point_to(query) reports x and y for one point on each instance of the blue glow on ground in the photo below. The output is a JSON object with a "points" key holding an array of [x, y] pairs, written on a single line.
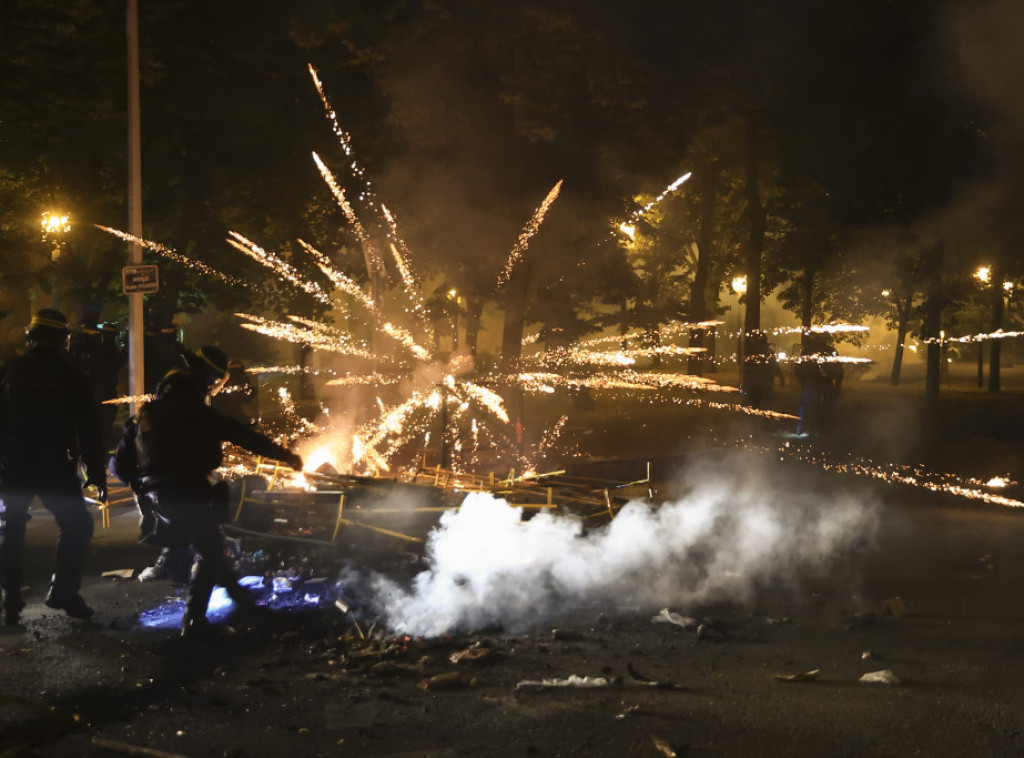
{"points": [[282, 596]]}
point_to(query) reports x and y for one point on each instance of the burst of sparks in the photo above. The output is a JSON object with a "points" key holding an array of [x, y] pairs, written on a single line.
{"points": [[488, 398], [302, 424]]}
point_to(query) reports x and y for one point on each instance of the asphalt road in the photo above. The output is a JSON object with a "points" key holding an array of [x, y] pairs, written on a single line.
{"points": [[308, 685]]}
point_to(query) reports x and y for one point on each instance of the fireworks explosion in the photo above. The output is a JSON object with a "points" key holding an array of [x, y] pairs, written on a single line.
{"points": [[424, 402], [429, 400]]}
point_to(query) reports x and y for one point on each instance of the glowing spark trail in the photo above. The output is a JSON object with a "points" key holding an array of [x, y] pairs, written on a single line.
{"points": [[825, 329], [373, 259], [350, 287], [911, 476], [281, 267], [665, 193], [999, 334], [322, 337], [128, 399], [362, 379], [175, 256], [340, 281], [528, 231], [344, 138]]}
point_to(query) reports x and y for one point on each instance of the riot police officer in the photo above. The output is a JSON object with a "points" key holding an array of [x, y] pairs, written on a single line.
{"points": [[179, 444], [48, 422]]}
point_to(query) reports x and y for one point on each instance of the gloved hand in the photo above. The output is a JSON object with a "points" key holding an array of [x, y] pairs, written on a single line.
{"points": [[101, 488], [295, 462]]}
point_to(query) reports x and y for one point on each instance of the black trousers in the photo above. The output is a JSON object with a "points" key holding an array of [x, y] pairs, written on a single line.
{"points": [[188, 512], [60, 492]]}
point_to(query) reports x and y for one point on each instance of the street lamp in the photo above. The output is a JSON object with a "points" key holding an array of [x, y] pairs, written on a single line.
{"points": [[55, 226]]}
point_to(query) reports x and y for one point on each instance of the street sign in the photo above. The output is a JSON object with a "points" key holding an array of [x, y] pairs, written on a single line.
{"points": [[142, 279]]}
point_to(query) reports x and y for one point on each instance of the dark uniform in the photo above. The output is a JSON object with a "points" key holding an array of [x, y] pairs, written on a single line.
{"points": [[238, 398], [179, 444], [163, 353], [48, 422], [100, 358]]}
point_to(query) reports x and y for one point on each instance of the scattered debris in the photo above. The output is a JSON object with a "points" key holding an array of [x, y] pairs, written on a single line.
{"points": [[670, 617], [627, 711], [885, 676], [663, 747], [118, 574], [125, 749], [649, 682], [447, 681], [473, 653], [989, 561], [867, 655], [582, 682], [807, 676], [893, 607]]}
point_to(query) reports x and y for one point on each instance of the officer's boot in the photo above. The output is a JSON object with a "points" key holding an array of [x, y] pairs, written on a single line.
{"points": [[68, 600], [13, 605]]}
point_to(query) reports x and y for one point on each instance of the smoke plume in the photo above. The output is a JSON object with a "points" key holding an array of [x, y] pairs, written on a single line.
{"points": [[721, 540]]}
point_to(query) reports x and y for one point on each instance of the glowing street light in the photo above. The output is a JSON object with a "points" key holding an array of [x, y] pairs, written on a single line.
{"points": [[983, 274], [739, 285], [55, 226]]}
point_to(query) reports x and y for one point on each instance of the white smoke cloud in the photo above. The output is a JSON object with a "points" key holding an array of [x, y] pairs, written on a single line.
{"points": [[725, 538]]}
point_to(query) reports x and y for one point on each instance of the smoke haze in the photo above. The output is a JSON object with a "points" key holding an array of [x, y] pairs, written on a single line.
{"points": [[720, 541]]}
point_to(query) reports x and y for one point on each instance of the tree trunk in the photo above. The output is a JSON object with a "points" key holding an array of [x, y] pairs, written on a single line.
{"points": [[755, 245], [902, 319], [995, 351], [515, 317], [932, 334], [474, 311], [755, 240], [699, 338], [806, 305]]}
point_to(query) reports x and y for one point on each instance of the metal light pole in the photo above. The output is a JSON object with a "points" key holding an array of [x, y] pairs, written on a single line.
{"points": [[136, 377]]}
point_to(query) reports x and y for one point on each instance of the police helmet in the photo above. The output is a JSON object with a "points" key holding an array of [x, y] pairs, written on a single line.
{"points": [[49, 326], [210, 365]]}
